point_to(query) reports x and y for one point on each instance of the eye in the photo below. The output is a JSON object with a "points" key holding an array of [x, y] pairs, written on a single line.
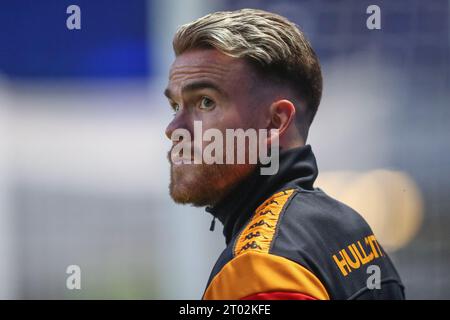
{"points": [[206, 103]]}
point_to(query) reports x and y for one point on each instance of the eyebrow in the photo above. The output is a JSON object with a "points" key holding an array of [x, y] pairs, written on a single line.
{"points": [[193, 86]]}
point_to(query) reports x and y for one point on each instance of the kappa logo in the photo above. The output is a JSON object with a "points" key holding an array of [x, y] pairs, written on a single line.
{"points": [[259, 224], [252, 235], [262, 226], [251, 245], [263, 213]]}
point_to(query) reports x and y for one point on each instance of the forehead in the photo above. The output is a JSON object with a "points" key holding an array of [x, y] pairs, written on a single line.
{"points": [[207, 63]]}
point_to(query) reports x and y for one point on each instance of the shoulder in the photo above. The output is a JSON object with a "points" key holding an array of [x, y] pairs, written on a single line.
{"points": [[335, 243], [306, 243], [313, 216], [296, 219], [253, 272]]}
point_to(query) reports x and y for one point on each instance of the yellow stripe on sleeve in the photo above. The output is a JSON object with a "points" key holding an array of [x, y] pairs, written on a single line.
{"points": [[256, 272], [259, 232]]}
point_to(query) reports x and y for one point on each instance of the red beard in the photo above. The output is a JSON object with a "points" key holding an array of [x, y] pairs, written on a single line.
{"points": [[203, 184]]}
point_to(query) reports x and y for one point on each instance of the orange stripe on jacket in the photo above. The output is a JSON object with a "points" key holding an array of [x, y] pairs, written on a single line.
{"points": [[255, 272], [279, 296], [259, 232]]}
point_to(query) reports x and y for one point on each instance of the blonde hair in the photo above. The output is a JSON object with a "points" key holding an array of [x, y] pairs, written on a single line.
{"points": [[273, 44]]}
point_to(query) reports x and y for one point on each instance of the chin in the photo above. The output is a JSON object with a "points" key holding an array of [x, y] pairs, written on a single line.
{"points": [[203, 185], [193, 184]]}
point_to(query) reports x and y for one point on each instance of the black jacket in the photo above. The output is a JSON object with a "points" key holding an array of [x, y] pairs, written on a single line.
{"points": [[288, 240]]}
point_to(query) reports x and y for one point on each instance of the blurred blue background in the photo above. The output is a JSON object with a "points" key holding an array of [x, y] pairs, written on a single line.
{"points": [[83, 169]]}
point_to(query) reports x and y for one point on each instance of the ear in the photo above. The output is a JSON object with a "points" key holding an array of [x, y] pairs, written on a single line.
{"points": [[282, 114]]}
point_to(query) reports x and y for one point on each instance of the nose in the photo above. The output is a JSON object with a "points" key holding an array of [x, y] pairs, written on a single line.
{"points": [[178, 122]]}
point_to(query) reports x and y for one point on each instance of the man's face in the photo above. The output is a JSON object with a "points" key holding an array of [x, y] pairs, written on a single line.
{"points": [[208, 86]]}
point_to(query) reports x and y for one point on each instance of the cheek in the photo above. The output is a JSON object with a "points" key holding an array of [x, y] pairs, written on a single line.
{"points": [[216, 119], [231, 118], [243, 115]]}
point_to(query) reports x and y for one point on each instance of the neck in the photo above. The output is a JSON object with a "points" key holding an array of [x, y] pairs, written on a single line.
{"points": [[298, 169]]}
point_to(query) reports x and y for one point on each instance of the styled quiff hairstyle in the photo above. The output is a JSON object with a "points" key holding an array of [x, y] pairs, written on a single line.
{"points": [[271, 43]]}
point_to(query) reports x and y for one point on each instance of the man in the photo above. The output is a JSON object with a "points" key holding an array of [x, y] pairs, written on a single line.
{"points": [[251, 69]]}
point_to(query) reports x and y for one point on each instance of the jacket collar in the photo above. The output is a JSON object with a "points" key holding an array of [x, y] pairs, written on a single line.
{"points": [[297, 169]]}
